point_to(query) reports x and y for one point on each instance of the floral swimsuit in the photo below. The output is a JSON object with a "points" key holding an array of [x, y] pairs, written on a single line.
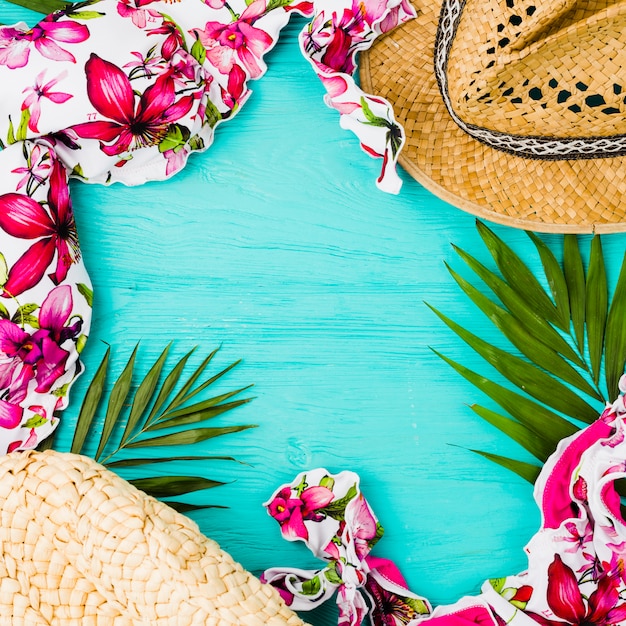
{"points": [[576, 572], [123, 91]]}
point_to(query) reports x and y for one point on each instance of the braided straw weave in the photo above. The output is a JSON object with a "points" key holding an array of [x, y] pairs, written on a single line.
{"points": [[535, 132], [82, 546]]}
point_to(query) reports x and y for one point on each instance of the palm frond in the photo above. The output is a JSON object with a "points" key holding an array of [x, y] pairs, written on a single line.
{"points": [[571, 340], [41, 6], [135, 410]]}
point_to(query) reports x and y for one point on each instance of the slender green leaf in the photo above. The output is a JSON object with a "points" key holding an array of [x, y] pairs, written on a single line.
{"points": [[181, 396], [205, 404], [117, 398], [186, 437], [165, 459], [86, 292], [539, 446], [556, 280], [186, 507], [596, 298], [41, 6], [201, 415], [526, 376], [90, 405], [575, 278], [22, 129], [532, 414], [526, 471], [144, 394], [11, 132], [615, 338], [168, 385], [519, 277], [519, 307], [209, 382], [169, 486], [537, 351]]}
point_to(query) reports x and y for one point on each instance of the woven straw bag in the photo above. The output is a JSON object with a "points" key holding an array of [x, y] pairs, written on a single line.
{"points": [[82, 546]]}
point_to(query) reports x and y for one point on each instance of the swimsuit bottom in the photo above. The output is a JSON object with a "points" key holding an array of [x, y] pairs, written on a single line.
{"points": [[123, 91], [576, 572]]}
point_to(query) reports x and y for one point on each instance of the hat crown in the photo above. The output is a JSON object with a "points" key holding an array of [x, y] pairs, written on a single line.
{"points": [[520, 74]]}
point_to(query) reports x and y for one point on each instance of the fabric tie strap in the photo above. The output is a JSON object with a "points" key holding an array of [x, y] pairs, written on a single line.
{"points": [[330, 515]]}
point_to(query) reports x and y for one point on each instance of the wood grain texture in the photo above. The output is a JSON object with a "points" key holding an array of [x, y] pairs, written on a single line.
{"points": [[276, 244]]}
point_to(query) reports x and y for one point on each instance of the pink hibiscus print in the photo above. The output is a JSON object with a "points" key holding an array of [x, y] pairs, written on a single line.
{"points": [[235, 88], [346, 35], [53, 228], [135, 121], [602, 608], [45, 36], [360, 526], [172, 42], [37, 92], [291, 512], [239, 38], [37, 170], [25, 357], [134, 9], [576, 538]]}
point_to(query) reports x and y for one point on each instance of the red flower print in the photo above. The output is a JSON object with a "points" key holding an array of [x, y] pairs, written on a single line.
{"points": [[173, 41], [568, 603], [291, 512], [136, 121], [41, 90], [15, 43], [54, 229], [240, 37]]}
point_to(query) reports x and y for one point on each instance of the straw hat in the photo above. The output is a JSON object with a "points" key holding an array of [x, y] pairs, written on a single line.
{"points": [[81, 546], [534, 131]]}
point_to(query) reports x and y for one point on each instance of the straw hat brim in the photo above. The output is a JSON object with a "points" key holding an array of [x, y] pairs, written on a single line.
{"points": [[81, 546], [564, 196]]}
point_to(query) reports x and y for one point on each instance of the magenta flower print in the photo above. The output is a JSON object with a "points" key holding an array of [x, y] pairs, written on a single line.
{"points": [[172, 42], [567, 602], [240, 38], [37, 169], [134, 9], [135, 121], [54, 230], [15, 43], [37, 92], [14, 47], [576, 538], [346, 35], [291, 512], [362, 524], [38, 357], [48, 32]]}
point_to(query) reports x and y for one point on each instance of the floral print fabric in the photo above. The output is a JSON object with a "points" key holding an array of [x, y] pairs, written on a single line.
{"points": [[123, 91], [330, 515], [576, 572]]}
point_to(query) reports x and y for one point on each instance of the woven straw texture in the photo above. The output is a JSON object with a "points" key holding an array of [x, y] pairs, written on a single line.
{"points": [[82, 546], [543, 52]]}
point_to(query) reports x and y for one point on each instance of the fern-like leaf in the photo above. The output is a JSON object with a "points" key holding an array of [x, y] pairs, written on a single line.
{"points": [[160, 400], [566, 335]]}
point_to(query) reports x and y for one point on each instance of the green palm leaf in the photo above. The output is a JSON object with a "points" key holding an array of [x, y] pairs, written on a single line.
{"points": [[41, 6], [562, 338], [160, 400]]}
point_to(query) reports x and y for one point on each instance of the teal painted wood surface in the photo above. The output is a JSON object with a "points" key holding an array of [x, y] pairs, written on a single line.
{"points": [[276, 245]]}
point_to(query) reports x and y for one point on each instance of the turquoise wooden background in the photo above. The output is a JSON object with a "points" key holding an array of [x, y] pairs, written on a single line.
{"points": [[276, 245]]}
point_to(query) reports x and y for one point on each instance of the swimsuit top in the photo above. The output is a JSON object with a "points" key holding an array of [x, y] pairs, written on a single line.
{"points": [[576, 571], [123, 91]]}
